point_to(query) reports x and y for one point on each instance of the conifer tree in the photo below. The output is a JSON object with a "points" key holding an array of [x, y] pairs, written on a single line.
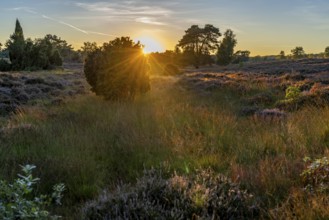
{"points": [[15, 46]]}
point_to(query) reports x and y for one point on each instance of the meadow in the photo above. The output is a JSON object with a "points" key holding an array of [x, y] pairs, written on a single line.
{"points": [[90, 144]]}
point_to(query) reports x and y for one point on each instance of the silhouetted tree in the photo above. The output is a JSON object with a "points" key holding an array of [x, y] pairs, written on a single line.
{"points": [[198, 41], [282, 55], [65, 50], [87, 48], [298, 52], [241, 56], [56, 59], [326, 52], [118, 70], [15, 46], [226, 48]]}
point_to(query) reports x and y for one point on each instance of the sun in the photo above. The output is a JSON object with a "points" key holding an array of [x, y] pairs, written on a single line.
{"points": [[150, 45]]}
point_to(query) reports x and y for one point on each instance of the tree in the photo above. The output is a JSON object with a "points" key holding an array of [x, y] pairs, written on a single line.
{"points": [[282, 55], [56, 58], [118, 70], [199, 41], [241, 56], [298, 52], [226, 48], [87, 48], [326, 52], [15, 46], [65, 50]]}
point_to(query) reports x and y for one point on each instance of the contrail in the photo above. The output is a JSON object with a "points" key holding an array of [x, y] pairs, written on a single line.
{"points": [[99, 33], [64, 23]]}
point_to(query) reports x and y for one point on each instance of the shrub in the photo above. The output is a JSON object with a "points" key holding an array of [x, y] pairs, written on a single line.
{"points": [[171, 69], [292, 92], [4, 65], [17, 202], [56, 59], [118, 70], [316, 175], [202, 196]]}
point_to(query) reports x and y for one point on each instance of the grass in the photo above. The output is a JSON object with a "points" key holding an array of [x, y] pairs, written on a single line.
{"points": [[90, 144]]}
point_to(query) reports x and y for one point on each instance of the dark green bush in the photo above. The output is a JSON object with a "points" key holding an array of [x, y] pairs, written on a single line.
{"points": [[4, 65], [118, 70], [56, 59], [200, 196], [171, 69]]}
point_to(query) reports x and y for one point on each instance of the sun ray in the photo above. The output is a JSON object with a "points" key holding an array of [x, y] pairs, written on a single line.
{"points": [[150, 44]]}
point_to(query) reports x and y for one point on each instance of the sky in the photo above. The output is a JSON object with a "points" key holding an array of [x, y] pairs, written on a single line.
{"points": [[264, 27]]}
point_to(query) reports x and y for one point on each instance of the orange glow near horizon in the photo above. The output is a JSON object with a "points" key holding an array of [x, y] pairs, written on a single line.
{"points": [[150, 44]]}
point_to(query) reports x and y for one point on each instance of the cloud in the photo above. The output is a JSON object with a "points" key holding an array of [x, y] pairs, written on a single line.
{"points": [[33, 11], [125, 8], [26, 9], [148, 20]]}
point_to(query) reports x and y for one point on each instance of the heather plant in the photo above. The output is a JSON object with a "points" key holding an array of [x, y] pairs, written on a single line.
{"points": [[17, 201], [200, 196]]}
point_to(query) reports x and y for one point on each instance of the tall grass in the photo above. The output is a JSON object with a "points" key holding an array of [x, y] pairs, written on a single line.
{"points": [[90, 144]]}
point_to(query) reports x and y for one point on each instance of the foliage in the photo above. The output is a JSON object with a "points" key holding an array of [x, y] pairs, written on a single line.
{"points": [[226, 48], [38, 54], [298, 52], [15, 46], [292, 92], [88, 47], [4, 65], [198, 42], [316, 175], [203, 196], [118, 70], [16, 201], [92, 144], [171, 69], [241, 56], [326, 52], [282, 55], [64, 49], [56, 58]]}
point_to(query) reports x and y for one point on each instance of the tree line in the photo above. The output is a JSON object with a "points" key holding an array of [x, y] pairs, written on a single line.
{"points": [[41, 53], [201, 46]]}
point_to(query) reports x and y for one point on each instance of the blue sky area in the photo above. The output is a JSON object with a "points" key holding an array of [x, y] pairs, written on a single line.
{"points": [[262, 26]]}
